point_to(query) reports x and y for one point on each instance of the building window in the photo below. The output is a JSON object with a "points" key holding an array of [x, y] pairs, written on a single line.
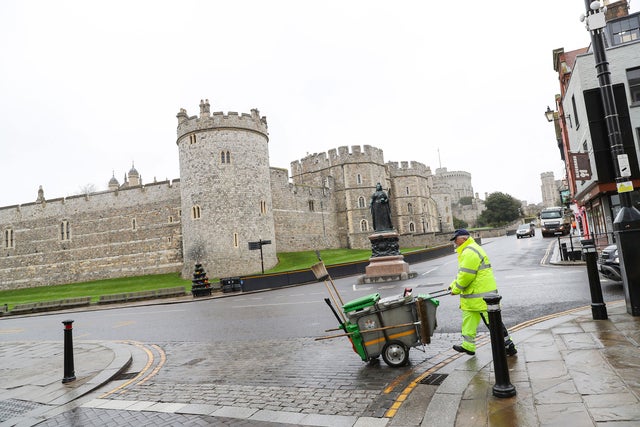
{"points": [[311, 206], [575, 112], [633, 78], [624, 30], [359, 179], [407, 190], [9, 243], [364, 225], [225, 157], [236, 241], [410, 208], [134, 224], [361, 202], [263, 207], [192, 139], [195, 212], [64, 230], [170, 219], [412, 227]]}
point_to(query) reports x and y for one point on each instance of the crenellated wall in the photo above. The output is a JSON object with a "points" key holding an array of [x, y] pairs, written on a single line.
{"points": [[135, 231]]}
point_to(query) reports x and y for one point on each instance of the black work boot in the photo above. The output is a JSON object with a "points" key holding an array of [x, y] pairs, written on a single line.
{"points": [[461, 349], [511, 349]]}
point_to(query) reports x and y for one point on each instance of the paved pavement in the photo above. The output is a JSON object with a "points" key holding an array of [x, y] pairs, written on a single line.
{"points": [[569, 370]]}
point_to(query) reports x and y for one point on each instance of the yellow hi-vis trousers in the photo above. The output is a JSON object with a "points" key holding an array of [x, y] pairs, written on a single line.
{"points": [[470, 322]]}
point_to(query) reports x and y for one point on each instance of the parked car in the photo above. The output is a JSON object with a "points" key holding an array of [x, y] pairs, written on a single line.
{"points": [[525, 230], [609, 263]]}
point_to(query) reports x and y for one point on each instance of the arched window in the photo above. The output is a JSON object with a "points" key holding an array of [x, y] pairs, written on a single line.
{"points": [[192, 139], [64, 230], [195, 212], [222, 157], [228, 157], [364, 225], [361, 202], [8, 239], [311, 206], [412, 227]]}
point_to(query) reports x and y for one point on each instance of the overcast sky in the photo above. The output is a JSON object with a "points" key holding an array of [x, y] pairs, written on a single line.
{"points": [[88, 88]]}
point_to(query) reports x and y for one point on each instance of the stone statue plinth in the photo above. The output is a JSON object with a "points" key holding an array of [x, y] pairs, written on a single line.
{"points": [[386, 263]]}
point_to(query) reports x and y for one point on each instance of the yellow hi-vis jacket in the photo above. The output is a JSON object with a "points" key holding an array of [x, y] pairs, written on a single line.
{"points": [[475, 278]]}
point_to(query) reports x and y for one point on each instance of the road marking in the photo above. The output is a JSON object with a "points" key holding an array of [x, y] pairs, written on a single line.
{"points": [[275, 304], [11, 331], [124, 323], [359, 288], [429, 271], [140, 374]]}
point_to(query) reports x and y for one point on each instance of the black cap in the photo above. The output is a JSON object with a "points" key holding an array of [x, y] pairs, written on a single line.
{"points": [[460, 232]]}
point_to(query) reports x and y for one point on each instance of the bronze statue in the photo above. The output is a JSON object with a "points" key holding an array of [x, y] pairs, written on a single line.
{"points": [[380, 210]]}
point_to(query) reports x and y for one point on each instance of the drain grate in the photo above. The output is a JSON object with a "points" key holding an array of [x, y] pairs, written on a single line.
{"points": [[126, 376], [434, 379]]}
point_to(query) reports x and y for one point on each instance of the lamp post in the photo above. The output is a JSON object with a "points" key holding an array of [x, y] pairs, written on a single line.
{"points": [[627, 223]]}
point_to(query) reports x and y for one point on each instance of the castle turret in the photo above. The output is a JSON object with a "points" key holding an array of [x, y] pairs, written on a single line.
{"points": [[113, 183], [225, 191]]}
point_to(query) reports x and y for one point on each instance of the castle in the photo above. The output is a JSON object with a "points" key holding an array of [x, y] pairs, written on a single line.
{"points": [[227, 196]]}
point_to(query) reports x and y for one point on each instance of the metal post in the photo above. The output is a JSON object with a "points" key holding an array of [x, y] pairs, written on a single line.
{"points": [[627, 223], [503, 386], [598, 307], [69, 371]]}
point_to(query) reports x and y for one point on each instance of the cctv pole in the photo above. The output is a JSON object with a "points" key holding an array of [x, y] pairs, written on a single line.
{"points": [[627, 223]]}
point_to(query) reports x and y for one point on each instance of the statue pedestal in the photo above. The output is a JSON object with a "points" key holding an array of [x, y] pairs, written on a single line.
{"points": [[386, 263]]}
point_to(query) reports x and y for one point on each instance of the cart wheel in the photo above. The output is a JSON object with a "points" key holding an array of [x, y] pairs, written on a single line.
{"points": [[395, 354]]}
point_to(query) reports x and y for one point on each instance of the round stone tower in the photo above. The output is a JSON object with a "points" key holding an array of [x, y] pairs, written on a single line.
{"points": [[225, 192]]}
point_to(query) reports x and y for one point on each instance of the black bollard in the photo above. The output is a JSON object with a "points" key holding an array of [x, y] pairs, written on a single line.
{"points": [[598, 307], [503, 386], [69, 371]]}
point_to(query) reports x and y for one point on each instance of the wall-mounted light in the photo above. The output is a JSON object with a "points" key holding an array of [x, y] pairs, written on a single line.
{"points": [[551, 116]]}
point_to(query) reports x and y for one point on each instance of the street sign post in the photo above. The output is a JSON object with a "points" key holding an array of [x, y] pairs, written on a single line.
{"points": [[258, 245]]}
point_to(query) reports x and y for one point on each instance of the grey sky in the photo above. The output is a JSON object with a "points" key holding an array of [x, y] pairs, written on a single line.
{"points": [[90, 87]]}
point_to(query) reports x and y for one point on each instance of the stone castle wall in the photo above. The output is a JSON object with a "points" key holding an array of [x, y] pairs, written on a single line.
{"points": [[305, 216], [110, 234]]}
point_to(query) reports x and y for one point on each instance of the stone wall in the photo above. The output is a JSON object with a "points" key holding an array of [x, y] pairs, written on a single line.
{"points": [[108, 234]]}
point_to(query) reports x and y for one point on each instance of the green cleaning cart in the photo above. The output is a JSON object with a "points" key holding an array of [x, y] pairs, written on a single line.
{"points": [[390, 326]]}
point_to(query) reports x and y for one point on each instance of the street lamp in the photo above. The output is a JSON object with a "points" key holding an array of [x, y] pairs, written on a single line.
{"points": [[552, 115], [627, 223]]}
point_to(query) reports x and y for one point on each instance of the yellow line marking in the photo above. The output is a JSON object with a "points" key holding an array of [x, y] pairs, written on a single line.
{"points": [[140, 374], [163, 359]]}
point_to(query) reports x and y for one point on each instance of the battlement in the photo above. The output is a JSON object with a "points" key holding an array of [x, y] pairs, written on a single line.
{"points": [[219, 120], [408, 168], [335, 157]]}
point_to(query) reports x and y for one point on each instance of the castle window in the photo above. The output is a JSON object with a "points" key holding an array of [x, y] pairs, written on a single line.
{"points": [[407, 189], [235, 240], [311, 206], [263, 207], [170, 219], [412, 227], [64, 230], [9, 243], [410, 208], [133, 224], [195, 212], [225, 157], [364, 225], [361, 202], [192, 139], [359, 179]]}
